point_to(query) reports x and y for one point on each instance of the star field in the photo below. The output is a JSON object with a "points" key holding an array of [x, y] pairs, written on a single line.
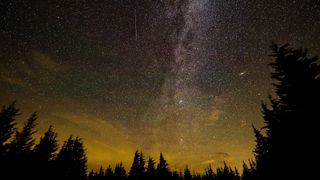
{"points": [[182, 77]]}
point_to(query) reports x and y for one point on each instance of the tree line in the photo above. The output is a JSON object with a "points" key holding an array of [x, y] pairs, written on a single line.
{"points": [[21, 158], [147, 169], [284, 145]]}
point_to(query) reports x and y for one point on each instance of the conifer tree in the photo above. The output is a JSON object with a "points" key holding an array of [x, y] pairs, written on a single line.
{"points": [[23, 141], [71, 161], [151, 170], [48, 145], [8, 116], [209, 174], [109, 174], [20, 150], [187, 174], [120, 172], [291, 117], [44, 153], [162, 168]]}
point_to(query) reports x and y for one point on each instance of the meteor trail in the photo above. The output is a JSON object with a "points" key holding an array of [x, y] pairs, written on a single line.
{"points": [[135, 24]]}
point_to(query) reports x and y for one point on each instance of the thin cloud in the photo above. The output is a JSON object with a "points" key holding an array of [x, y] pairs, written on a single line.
{"points": [[13, 81], [44, 61], [218, 158]]}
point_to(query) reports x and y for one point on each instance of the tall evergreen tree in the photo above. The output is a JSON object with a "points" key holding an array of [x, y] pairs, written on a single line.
{"points": [[141, 166], [120, 172], [262, 156], [162, 168], [151, 170], [134, 171], [71, 161], [291, 118], [8, 116], [44, 153], [100, 174], [48, 145], [209, 174], [187, 174], [23, 141], [248, 173], [227, 173], [20, 150], [109, 174]]}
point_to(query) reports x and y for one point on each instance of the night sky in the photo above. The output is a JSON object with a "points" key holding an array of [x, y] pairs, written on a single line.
{"points": [[185, 78]]}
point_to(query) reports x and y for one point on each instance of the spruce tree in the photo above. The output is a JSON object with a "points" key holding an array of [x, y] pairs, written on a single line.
{"points": [[8, 116], [162, 168], [44, 153], [151, 170], [120, 172], [291, 116], [71, 161], [134, 171], [48, 145], [109, 174], [20, 162], [187, 174]]}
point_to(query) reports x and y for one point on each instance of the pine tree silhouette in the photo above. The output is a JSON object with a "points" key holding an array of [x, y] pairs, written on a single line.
{"points": [[109, 174], [7, 125], [71, 161], [134, 171], [20, 150], [47, 147], [44, 153], [291, 118], [162, 168], [209, 174], [151, 170], [249, 173], [23, 141], [8, 116], [227, 173], [175, 175], [100, 174], [187, 174], [120, 172]]}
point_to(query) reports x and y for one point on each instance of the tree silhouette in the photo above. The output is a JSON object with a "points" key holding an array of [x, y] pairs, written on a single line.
{"points": [[109, 174], [44, 153], [227, 173], [137, 169], [248, 173], [71, 161], [175, 175], [291, 118], [262, 156], [151, 170], [187, 174], [162, 168], [100, 175], [209, 174], [23, 141], [120, 172], [20, 150], [48, 145], [8, 116]]}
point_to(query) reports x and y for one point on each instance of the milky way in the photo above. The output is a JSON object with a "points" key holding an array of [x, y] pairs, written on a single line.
{"points": [[184, 77]]}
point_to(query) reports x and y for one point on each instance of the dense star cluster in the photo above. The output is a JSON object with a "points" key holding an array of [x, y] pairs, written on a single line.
{"points": [[184, 77]]}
